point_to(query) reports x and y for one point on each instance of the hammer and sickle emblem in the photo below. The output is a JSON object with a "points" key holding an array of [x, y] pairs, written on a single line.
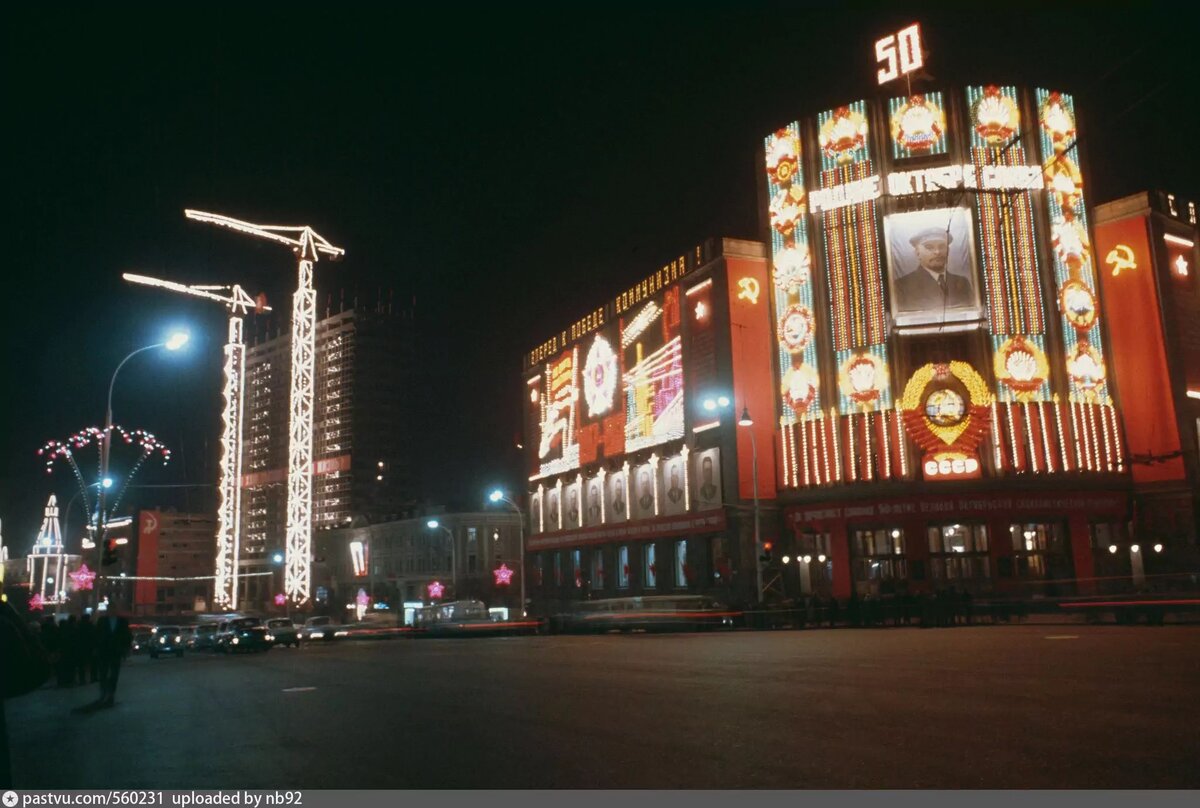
{"points": [[1120, 257], [750, 289]]}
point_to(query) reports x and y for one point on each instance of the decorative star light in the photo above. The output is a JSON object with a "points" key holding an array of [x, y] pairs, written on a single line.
{"points": [[82, 577], [1181, 267], [362, 598], [701, 310], [436, 590], [36, 603], [280, 599], [503, 575]]}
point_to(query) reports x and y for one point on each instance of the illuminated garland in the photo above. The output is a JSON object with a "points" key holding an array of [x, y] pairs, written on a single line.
{"points": [[1071, 247], [147, 443], [791, 260], [1006, 239]]}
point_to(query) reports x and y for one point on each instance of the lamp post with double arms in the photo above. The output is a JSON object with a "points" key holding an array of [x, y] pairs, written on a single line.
{"points": [[745, 421], [434, 524]]}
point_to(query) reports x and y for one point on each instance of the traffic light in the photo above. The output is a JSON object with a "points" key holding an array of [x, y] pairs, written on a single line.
{"points": [[110, 553], [765, 550]]}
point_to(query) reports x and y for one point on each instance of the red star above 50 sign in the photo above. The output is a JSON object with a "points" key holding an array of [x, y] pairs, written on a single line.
{"points": [[436, 590], [503, 575]]}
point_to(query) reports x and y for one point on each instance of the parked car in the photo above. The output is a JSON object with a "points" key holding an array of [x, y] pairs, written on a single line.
{"points": [[141, 641], [166, 640], [245, 634], [205, 638], [282, 631]]}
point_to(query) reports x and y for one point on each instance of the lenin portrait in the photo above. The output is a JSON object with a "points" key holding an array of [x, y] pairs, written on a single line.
{"points": [[931, 265]]}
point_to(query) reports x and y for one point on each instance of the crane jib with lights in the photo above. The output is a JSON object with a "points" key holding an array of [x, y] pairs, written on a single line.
{"points": [[308, 247], [229, 512]]}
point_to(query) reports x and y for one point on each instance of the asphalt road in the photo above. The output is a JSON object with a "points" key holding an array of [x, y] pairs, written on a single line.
{"points": [[989, 707]]}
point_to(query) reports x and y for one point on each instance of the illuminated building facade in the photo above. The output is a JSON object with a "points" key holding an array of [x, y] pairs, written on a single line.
{"points": [[361, 444], [1146, 246], [945, 408], [932, 398], [640, 481]]}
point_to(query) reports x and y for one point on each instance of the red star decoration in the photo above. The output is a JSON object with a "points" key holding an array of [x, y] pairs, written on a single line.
{"points": [[503, 575], [436, 590], [280, 599], [82, 577], [36, 602]]}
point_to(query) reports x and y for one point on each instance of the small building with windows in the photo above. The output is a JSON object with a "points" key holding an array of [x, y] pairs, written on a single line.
{"points": [[433, 558]]}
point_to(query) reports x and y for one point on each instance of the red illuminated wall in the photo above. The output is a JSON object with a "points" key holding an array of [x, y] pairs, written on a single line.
{"points": [[753, 385], [149, 527], [1138, 350]]}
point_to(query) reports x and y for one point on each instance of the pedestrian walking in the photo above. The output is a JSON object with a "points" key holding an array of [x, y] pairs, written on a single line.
{"points": [[113, 642], [85, 662], [67, 650]]}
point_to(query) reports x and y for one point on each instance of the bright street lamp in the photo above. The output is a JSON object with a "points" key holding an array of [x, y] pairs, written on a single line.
{"points": [[173, 343], [498, 496]]}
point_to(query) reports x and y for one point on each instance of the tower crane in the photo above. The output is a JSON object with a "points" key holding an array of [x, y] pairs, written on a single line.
{"points": [[229, 512], [308, 247]]}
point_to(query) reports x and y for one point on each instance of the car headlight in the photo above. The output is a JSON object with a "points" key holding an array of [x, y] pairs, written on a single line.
{"points": [[235, 640], [178, 638], [162, 640], [270, 638], [316, 635]]}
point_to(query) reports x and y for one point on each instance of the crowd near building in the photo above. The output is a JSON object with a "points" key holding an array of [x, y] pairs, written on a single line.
{"points": [[912, 384]]}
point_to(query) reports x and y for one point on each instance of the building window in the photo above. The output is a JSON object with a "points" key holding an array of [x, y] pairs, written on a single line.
{"points": [[879, 559], [598, 569], [958, 553], [681, 564], [577, 566], [558, 569], [1040, 552], [718, 553], [651, 569], [623, 567]]}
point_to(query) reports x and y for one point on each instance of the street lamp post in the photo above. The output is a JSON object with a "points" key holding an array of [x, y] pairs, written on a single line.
{"points": [[434, 524], [745, 421], [173, 343], [498, 496]]}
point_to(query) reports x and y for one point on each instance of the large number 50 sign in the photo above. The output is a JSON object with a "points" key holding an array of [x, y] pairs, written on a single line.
{"points": [[899, 53]]}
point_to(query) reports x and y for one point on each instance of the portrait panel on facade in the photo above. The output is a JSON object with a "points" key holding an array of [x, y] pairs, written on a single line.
{"points": [[706, 479], [535, 510], [572, 505], [674, 495], [617, 509], [552, 511], [642, 491], [593, 496], [931, 267]]}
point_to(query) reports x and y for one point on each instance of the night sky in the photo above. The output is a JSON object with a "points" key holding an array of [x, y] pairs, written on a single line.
{"points": [[506, 170]]}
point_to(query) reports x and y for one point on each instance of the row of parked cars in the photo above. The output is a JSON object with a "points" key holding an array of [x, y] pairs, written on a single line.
{"points": [[233, 635]]}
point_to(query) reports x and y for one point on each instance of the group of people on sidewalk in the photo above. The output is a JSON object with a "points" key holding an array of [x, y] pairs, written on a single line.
{"points": [[84, 652]]}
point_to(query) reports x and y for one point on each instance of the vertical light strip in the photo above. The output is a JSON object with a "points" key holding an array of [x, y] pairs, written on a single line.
{"points": [[1012, 439], [1108, 462], [1041, 408], [812, 442], [1062, 435], [887, 447], [835, 428], [1079, 464], [901, 442], [997, 452], [687, 487], [804, 453], [825, 450], [1033, 455], [851, 465], [783, 450], [795, 462], [1116, 430], [868, 448]]}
